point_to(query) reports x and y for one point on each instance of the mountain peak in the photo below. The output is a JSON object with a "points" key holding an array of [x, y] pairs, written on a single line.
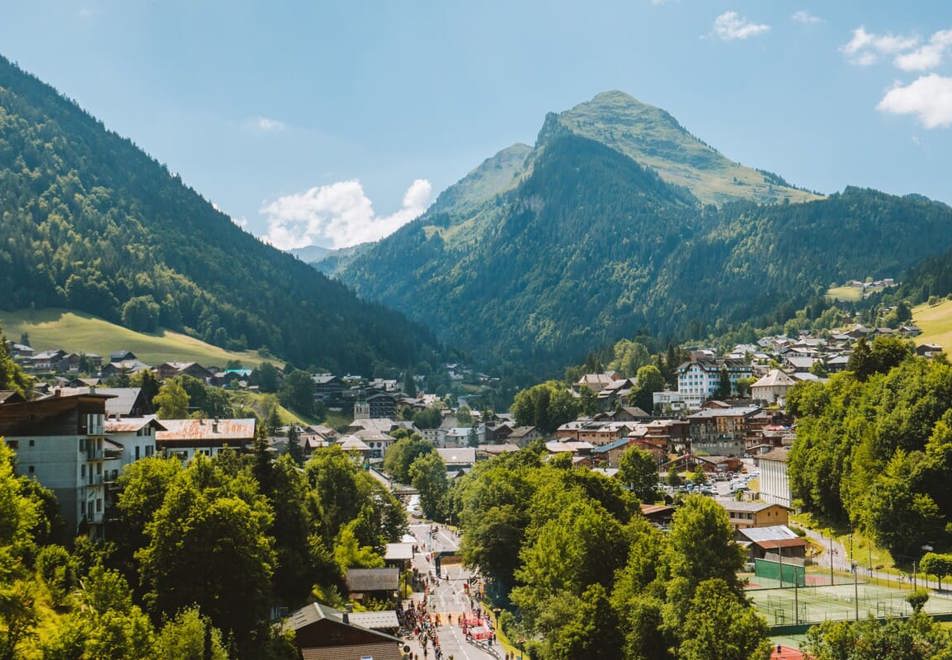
{"points": [[655, 139]]}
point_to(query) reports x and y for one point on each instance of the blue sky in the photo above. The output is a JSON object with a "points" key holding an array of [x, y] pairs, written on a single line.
{"points": [[335, 122]]}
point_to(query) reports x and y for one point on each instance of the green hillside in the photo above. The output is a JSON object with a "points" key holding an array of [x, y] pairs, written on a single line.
{"points": [[91, 223], [655, 139], [82, 333], [582, 244], [935, 321]]}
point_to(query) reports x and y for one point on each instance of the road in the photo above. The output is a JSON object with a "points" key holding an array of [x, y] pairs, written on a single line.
{"points": [[447, 598]]}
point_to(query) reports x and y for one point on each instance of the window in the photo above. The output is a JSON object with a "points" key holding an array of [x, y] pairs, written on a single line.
{"points": [[82, 470], [32, 469], [32, 442], [99, 505], [137, 452]]}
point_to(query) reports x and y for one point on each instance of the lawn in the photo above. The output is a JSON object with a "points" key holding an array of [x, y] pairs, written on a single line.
{"points": [[935, 321], [82, 333], [845, 293], [256, 401]]}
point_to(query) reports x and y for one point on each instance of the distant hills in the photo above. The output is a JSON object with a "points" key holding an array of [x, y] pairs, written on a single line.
{"points": [[91, 223], [618, 221]]}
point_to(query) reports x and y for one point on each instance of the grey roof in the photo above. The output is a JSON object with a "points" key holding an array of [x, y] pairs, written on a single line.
{"points": [[732, 411], [748, 507], [772, 533], [398, 552], [781, 454], [366, 621], [460, 456], [373, 579], [122, 402]]}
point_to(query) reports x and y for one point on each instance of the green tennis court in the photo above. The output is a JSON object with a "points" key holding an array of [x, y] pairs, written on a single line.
{"points": [[789, 606]]}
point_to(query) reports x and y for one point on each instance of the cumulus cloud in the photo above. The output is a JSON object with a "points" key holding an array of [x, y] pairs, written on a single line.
{"points": [[865, 48], [805, 18], [266, 124], [338, 215], [929, 55], [929, 98], [731, 26]]}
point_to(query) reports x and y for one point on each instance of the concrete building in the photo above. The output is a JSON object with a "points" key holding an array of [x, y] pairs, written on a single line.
{"points": [[60, 441], [774, 482]]}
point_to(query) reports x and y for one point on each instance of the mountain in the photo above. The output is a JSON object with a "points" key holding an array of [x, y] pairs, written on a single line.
{"points": [[604, 228], [310, 254], [93, 224]]}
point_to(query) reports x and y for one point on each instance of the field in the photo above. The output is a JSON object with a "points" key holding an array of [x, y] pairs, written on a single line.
{"points": [[935, 321], [82, 333], [256, 401], [837, 602], [845, 293]]}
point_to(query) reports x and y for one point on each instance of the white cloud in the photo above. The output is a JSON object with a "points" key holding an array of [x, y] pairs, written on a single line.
{"points": [[929, 98], [241, 221], [266, 124], [929, 55], [805, 18], [339, 215], [730, 26], [865, 48]]}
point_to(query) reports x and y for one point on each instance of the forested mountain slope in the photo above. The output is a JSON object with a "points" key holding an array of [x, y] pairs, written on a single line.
{"points": [[584, 239], [92, 223]]}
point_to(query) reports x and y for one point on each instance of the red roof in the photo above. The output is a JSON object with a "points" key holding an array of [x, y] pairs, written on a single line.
{"points": [[781, 652]]}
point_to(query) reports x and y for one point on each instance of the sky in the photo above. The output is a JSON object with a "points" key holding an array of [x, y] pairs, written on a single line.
{"points": [[333, 123]]}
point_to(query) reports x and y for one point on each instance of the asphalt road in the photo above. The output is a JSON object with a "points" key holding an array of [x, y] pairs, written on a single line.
{"points": [[447, 598]]}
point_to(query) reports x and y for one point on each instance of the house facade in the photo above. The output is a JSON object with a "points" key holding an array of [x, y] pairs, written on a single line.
{"points": [[61, 442]]}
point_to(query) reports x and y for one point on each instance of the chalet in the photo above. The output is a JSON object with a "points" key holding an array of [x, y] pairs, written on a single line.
{"points": [[122, 356], [718, 464], [659, 514], [721, 430], [328, 388], [354, 445], [238, 376], [126, 367], [614, 393], [928, 350], [597, 382], [185, 438], [523, 435], [800, 364], [376, 405], [193, 369], [489, 451], [378, 583], [755, 514], [323, 633]]}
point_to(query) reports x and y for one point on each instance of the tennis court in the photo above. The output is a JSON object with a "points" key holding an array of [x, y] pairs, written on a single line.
{"points": [[813, 604]]}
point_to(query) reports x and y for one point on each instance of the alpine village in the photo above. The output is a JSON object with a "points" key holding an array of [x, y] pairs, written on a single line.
{"points": [[612, 395]]}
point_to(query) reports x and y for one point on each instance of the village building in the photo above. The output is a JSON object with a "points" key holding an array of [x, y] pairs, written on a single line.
{"points": [[60, 441], [754, 514], [184, 438], [773, 387], [323, 633]]}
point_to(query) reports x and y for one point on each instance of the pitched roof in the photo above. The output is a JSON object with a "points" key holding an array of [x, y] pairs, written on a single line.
{"points": [[774, 378], [771, 533], [457, 456], [747, 507], [122, 402], [187, 430], [398, 552], [781, 454], [366, 621], [373, 579], [132, 424], [353, 443]]}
